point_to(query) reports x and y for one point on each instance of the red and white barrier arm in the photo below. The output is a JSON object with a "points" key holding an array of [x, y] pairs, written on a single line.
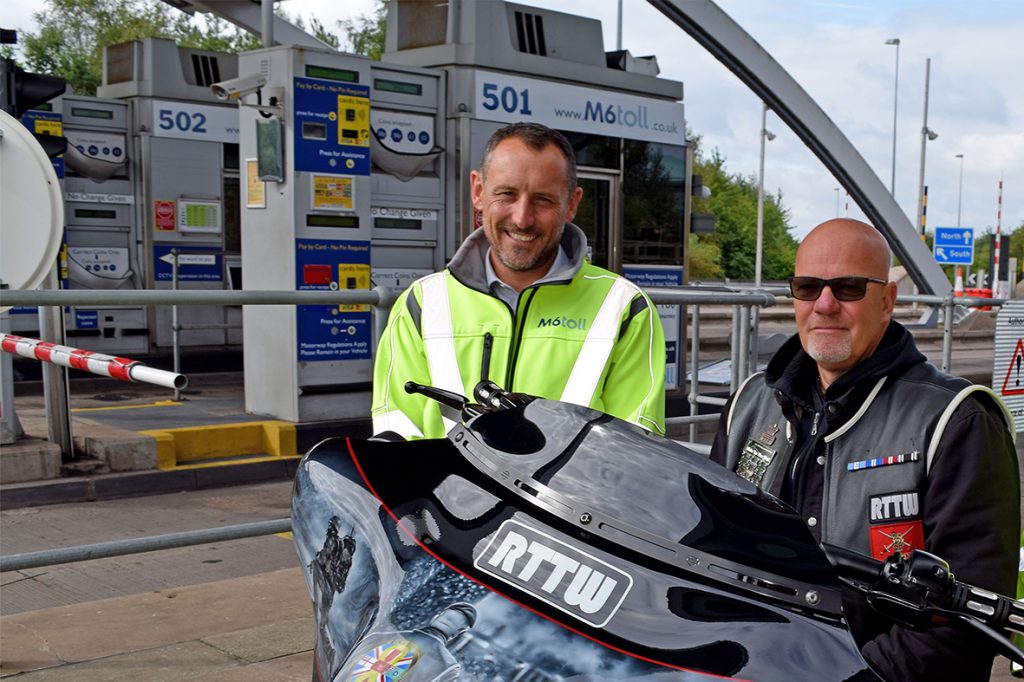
{"points": [[88, 361]]}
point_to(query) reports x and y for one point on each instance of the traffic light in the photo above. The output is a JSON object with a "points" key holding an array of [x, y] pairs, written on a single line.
{"points": [[22, 90]]}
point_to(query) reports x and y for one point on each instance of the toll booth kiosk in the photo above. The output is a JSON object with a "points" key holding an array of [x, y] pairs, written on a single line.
{"points": [[506, 63], [102, 249], [344, 190], [183, 151]]}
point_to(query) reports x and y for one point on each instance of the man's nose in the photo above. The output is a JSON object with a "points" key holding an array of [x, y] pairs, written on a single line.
{"points": [[522, 212], [826, 302]]}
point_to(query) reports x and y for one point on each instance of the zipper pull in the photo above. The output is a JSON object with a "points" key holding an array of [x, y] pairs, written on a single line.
{"points": [[485, 364], [814, 424]]}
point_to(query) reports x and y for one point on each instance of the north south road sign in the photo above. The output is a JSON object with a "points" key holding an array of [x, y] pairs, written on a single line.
{"points": [[954, 245]]}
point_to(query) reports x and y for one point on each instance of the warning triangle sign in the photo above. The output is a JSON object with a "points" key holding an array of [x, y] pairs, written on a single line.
{"points": [[1015, 387]]}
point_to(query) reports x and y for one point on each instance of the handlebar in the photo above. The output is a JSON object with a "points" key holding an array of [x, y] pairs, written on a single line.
{"points": [[920, 591]]}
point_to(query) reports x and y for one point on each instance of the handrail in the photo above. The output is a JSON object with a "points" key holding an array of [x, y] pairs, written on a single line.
{"points": [[100, 550]]}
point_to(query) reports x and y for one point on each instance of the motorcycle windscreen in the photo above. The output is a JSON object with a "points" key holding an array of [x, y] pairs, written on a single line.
{"points": [[393, 534]]}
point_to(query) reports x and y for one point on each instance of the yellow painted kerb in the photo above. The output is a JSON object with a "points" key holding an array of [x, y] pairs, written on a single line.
{"points": [[190, 445]]}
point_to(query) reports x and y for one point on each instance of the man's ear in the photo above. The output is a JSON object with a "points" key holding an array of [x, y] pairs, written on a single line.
{"points": [[476, 189], [574, 202], [889, 297]]}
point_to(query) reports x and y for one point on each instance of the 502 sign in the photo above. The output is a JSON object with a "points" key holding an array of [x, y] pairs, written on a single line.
{"points": [[182, 120], [507, 98], [195, 121]]}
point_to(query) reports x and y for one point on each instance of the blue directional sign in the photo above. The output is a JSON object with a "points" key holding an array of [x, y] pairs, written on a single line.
{"points": [[954, 245]]}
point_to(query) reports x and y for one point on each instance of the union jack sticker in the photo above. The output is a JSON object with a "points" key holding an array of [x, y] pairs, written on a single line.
{"points": [[387, 663], [896, 537]]}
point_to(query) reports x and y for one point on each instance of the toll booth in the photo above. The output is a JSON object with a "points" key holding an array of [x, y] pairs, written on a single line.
{"points": [[184, 191], [101, 234], [344, 189], [507, 62]]}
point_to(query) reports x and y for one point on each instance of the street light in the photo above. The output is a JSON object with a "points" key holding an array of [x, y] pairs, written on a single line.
{"points": [[926, 135], [960, 191], [765, 135], [837, 201], [895, 99]]}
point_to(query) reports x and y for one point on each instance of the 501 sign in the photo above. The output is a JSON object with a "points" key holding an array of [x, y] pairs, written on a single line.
{"points": [[507, 98]]}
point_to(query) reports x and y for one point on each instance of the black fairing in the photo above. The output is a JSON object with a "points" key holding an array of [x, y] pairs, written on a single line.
{"points": [[589, 548]]}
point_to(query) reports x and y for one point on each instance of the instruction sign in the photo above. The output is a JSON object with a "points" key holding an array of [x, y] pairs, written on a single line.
{"points": [[332, 332], [1008, 366], [332, 127], [648, 276]]}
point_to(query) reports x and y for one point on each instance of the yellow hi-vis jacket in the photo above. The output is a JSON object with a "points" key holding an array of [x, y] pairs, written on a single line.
{"points": [[584, 335]]}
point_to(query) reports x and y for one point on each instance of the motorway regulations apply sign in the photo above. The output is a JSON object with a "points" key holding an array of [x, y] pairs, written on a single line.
{"points": [[1008, 365], [954, 245]]}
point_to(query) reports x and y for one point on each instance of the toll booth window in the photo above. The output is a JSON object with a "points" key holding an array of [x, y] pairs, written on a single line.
{"points": [[327, 73], [318, 220], [92, 113], [594, 150], [232, 188], [311, 130], [231, 156], [653, 190], [95, 214], [388, 85], [397, 224]]}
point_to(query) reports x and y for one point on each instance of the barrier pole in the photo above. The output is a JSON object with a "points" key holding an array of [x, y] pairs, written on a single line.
{"points": [[122, 369]]}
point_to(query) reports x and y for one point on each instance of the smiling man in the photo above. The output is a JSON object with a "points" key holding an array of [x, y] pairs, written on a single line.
{"points": [[519, 305], [878, 450]]}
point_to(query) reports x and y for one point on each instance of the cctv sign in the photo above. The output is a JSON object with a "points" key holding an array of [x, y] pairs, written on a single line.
{"points": [[187, 121]]}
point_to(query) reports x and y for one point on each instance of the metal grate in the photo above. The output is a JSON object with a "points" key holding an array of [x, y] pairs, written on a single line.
{"points": [[530, 33], [206, 69]]}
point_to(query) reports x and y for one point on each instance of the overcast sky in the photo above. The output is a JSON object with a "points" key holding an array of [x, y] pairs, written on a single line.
{"points": [[836, 50]]}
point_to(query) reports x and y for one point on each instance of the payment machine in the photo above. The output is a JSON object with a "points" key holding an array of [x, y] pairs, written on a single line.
{"points": [[185, 181], [343, 173]]}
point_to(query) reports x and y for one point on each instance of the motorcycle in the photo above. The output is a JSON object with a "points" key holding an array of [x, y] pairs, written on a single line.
{"points": [[543, 541]]}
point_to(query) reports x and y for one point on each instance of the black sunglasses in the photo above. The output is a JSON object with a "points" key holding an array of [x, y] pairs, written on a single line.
{"points": [[843, 288]]}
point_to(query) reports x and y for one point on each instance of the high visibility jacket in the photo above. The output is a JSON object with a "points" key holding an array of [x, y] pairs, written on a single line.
{"points": [[593, 338]]}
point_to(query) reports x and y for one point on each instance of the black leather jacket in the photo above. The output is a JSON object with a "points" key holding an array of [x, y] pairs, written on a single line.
{"points": [[894, 455]]}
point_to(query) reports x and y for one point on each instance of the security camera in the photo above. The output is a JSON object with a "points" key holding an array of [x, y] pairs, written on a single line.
{"points": [[237, 88]]}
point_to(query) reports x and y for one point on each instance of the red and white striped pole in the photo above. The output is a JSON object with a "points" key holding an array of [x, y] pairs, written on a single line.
{"points": [[995, 253], [88, 361]]}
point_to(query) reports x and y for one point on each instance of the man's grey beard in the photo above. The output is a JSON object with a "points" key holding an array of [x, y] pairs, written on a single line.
{"points": [[837, 350]]}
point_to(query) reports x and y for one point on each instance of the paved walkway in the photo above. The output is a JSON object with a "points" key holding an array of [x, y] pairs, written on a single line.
{"points": [[254, 628]]}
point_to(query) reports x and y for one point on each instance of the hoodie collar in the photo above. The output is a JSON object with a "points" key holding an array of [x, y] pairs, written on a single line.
{"points": [[794, 374]]}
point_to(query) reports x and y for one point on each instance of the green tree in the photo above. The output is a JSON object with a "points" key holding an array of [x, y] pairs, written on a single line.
{"points": [[365, 34], [733, 202]]}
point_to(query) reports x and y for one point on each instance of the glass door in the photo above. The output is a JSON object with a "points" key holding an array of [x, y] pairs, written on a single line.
{"points": [[600, 217]]}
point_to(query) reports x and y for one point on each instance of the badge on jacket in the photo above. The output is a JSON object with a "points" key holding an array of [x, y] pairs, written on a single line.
{"points": [[754, 461], [896, 525]]}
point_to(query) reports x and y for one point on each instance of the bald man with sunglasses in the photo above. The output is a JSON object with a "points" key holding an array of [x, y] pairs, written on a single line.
{"points": [[878, 450]]}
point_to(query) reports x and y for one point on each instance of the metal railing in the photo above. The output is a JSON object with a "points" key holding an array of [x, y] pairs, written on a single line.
{"points": [[746, 305]]}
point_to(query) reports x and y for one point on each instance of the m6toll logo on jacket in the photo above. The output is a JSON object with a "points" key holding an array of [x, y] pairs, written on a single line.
{"points": [[563, 321], [555, 572]]}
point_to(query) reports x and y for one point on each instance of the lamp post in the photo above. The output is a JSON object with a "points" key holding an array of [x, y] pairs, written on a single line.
{"points": [[837, 201], [927, 134], [960, 191], [766, 135], [895, 99]]}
